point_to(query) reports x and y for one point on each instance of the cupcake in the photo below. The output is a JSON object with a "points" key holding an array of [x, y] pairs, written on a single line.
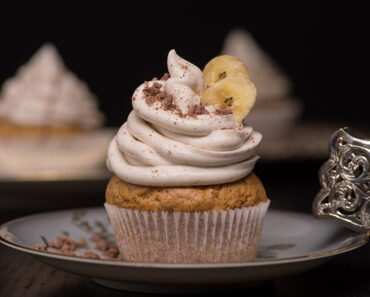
{"points": [[49, 119], [183, 189], [276, 110]]}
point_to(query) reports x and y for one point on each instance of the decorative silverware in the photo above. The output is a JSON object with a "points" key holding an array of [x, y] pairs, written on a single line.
{"points": [[345, 183]]}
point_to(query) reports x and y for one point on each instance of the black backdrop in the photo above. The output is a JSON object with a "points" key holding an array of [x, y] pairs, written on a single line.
{"points": [[325, 50]]}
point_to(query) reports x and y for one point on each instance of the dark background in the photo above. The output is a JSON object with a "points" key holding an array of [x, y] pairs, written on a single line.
{"points": [[324, 49]]}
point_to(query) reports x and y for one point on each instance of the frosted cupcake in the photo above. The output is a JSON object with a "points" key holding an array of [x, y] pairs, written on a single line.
{"points": [[183, 190], [276, 109], [49, 120]]}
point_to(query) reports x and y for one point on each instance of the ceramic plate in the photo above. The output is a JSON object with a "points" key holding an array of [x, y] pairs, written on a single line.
{"points": [[291, 243]]}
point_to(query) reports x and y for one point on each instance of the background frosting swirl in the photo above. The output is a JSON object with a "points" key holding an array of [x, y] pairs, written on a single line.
{"points": [[45, 93], [158, 147]]}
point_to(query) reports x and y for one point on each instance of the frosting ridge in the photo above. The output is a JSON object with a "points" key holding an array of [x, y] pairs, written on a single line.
{"points": [[184, 144]]}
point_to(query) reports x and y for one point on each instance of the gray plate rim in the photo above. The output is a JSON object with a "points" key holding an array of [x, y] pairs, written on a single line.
{"points": [[362, 239]]}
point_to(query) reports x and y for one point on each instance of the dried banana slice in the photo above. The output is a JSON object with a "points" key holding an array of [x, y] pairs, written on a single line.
{"points": [[223, 67], [234, 93], [227, 83]]}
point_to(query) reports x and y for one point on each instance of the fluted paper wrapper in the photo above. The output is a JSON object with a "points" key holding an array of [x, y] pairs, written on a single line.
{"points": [[188, 237]]}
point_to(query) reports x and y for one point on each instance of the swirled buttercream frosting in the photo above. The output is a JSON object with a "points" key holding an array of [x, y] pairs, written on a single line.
{"points": [[45, 93], [170, 139]]}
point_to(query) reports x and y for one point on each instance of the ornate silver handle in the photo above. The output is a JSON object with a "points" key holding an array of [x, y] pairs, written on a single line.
{"points": [[345, 183]]}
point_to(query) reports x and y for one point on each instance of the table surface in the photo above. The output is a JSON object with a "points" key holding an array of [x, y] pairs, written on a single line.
{"points": [[345, 275]]}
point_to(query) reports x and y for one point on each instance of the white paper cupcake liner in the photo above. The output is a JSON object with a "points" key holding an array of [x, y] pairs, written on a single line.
{"points": [[55, 153], [188, 237]]}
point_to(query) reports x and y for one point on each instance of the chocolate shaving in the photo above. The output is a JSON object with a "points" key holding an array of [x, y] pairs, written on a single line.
{"points": [[91, 255], [65, 246], [168, 103], [112, 251], [152, 91], [165, 76], [198, 110], [39, 247], [150, 100], [57, 244], [223, 112], [154, 94], [157, 85], [81, 243], [109, 248]]}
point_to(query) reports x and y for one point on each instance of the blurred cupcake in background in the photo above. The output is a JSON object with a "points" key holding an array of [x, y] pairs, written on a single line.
{"points": [[276, 110], [49, 119]]}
